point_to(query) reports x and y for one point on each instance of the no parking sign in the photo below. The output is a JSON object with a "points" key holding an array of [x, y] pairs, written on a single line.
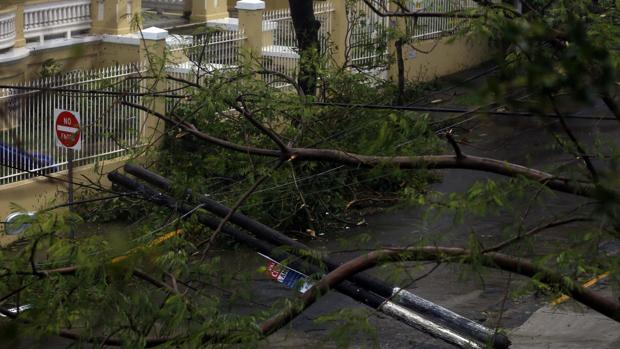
{"points": [[67, 129]]}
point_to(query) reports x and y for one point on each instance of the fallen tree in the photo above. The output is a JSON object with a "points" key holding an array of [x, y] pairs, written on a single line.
{"points": [[458, 161]]}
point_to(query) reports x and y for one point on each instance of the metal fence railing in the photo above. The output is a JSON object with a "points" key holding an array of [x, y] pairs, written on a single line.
{"points": [[202, 54], [425, 28], [109, 129], [215, 48], [366, 34]]}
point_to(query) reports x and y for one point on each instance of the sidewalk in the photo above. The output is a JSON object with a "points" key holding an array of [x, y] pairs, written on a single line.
{"points": [[566, 327]]}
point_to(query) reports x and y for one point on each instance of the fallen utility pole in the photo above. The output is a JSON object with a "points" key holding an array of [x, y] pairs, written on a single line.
{"points": [[404, 297], [362, 295]]}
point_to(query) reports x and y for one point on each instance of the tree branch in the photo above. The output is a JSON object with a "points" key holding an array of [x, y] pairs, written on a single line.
{"points": [[607, 307], [455, 145], [243, 109], [404, 162], [580, 151]]}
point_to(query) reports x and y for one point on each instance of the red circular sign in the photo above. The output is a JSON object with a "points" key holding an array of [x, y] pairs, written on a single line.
{"points": [[68, 129]]}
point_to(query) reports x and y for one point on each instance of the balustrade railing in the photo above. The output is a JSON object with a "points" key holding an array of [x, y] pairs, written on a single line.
{"points": [[56, 18], [7, 30]]}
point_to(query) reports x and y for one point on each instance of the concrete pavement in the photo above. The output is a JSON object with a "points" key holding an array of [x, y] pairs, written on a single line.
{"points": [[566, 327]]}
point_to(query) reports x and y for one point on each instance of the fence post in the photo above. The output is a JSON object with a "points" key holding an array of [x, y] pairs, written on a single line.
{"points": [[251, 22], [338, 35], [152, 53]]}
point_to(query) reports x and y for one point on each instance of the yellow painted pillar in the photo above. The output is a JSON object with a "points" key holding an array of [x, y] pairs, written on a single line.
{"points": [[251, 22], [20, 41], [276, 4], [338, 33], [113, 16], [187, 8], [204, 10], [217, 9], [136, 9], [199, 11]]}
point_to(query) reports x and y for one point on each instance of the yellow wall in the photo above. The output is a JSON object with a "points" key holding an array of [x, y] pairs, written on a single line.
{"points": [[275, 4], [445, 58], [35, 194], [82, 56], [11, 73], [112, 54]]}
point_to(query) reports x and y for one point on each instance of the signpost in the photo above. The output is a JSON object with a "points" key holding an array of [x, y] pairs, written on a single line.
{"points": [[68, 134]]}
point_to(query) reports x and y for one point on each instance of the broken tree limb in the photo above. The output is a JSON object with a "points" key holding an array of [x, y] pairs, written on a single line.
{"points": [[517, 265], [466, 161], [358, 293], [418, 304]]}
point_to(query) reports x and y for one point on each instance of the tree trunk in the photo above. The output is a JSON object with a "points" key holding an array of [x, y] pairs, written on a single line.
{"points": [[401, 71], [307, 31]]}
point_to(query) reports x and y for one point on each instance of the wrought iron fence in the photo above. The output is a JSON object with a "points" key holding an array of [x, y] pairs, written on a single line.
{"points": [[109, 129], [215, 48], [424, 28], [366, 34]]}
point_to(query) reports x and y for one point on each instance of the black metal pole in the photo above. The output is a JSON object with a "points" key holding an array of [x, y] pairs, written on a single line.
{"points": [[70, 156], [358, 293], [408, 299]]}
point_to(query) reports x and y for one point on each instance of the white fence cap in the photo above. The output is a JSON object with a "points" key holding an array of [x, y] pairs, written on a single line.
{"points": [[154, 33], [250, 5]]}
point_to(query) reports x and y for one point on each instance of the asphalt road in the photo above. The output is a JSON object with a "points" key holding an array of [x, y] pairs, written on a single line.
{"points": [[531, 321]]}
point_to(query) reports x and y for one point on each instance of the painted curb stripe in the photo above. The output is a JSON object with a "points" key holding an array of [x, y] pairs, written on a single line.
{"points": [[589, 283]]}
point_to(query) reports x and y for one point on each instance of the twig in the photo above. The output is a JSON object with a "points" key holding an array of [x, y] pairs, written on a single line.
{"points": [[581, 152], [535, 231], [232, 211]]}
